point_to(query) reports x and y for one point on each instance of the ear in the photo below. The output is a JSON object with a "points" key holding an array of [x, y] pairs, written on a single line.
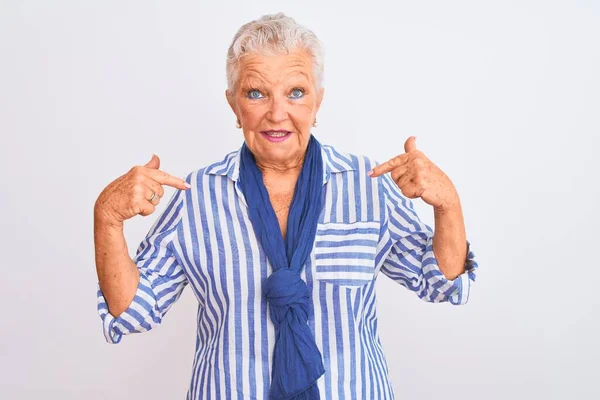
{"points": [[320, 98], [230, 100]]}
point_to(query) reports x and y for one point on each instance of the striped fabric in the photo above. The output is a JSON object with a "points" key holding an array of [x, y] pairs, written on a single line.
{"points": [[204, 239]]}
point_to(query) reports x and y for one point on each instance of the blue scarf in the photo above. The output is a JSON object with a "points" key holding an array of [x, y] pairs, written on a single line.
{"points": [[297, 362]]}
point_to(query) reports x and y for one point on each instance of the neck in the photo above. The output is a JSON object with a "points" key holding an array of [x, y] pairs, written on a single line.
{"points": [[280, 178], [287, 170]]}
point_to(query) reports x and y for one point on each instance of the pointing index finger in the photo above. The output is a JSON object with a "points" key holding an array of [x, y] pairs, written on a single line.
{"points": [[387, 166], [165, 179]]}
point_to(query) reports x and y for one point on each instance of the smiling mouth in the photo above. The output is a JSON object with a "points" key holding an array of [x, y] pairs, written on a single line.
{"points": [[276, 134]]}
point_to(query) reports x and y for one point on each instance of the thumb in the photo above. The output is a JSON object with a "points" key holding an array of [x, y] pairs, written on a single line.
{"points": [[154, 162], [410, 144]]}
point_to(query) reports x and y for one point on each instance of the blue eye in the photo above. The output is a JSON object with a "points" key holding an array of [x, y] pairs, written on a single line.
{"points": [[297, 93], [255, 94]]}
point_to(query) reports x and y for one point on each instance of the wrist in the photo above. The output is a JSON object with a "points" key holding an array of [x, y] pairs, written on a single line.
{"points": [[103, 221], [448, 209], [449, 206]]}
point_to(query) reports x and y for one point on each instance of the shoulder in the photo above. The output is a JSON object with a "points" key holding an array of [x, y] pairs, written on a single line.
{"points": [[360, 165], [342, 160], [222, 167]]}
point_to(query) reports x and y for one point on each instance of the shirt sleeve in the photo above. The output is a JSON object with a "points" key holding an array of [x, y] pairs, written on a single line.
{"points": [[162, 278], [411, 260]]}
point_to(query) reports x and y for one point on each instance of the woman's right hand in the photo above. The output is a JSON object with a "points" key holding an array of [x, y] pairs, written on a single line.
{"points": [[130, 194]]}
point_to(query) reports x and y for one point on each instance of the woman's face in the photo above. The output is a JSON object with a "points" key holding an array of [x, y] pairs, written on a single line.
{"points": [[276, 102]]}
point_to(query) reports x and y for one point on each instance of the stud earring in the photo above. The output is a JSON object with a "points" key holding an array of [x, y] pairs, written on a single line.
{"points": [[237, 124], [315, 122]]}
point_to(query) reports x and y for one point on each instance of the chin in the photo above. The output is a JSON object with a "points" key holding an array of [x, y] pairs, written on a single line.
{"points": [[279, 153]]}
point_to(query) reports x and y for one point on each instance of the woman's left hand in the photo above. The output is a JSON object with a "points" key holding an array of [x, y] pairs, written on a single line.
{"points": [[417, 176]]}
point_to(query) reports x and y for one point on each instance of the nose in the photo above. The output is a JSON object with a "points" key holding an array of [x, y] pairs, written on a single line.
{"points": [[277, 109]]}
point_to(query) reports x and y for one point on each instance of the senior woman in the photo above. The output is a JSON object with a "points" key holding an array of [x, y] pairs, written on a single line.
{"points": [[282, 240]]}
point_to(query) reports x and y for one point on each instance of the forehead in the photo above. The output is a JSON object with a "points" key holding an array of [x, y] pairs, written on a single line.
{"points": [[273, 68]]}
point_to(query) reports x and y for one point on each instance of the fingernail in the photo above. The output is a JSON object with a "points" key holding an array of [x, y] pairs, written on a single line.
{"points": [[187, 185], [370, 173]]}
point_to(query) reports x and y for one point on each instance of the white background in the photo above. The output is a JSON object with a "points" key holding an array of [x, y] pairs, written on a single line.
{"points": [[504, 96]]}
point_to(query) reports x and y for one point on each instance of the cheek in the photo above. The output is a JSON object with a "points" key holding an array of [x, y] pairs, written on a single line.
{"points": [[302, 113], [252, 114]]}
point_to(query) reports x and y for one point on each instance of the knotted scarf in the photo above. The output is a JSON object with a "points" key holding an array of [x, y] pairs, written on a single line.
{"points": [[297, 362]]}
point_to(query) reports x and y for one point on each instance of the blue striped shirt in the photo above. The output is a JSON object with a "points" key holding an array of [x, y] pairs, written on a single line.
{"points": [[204, 239]]}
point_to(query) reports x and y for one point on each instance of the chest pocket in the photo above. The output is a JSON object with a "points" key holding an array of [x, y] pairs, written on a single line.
{"points": [[345, 252]]}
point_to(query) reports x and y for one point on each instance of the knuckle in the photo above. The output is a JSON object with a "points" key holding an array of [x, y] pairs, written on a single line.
{"points": [[135, 200], [410, 193], [148, 210], [133, 204], [135, 208], [138, 190], [139, 177]]}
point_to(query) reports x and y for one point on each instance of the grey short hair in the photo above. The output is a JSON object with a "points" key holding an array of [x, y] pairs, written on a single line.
{"points": [[270, 35]]}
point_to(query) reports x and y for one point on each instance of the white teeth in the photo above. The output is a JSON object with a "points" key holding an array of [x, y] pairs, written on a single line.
{"points": [[277, 134]]}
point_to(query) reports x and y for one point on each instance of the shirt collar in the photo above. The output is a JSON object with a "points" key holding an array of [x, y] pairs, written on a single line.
{"points": [[333, 162]]}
